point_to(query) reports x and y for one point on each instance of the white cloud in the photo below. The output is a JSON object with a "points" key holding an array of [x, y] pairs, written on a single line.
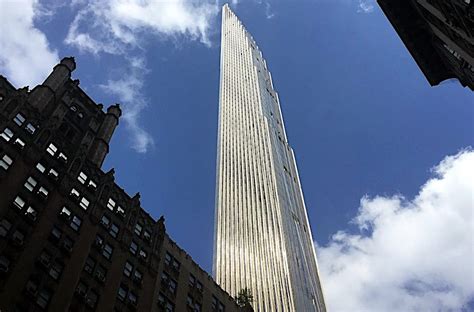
{"points": [[25, 55], [120, 27], [365, 6], [268, 11], [409, 255], [130, 92], [112, 26]]}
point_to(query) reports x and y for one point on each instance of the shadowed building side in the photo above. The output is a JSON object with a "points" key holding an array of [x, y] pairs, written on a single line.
{"points": [[439, 34]]}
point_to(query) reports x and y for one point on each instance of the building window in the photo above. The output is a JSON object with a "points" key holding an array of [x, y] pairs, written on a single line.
{"points": [[81, 289], [18, 237], [101, 273], [56, 234], [75, 194], [128, 268], [133, 248], [30, 184], [168, 258], [82, 177], [6, 162], [105, 221], [122, 293], [7, 134], [62, 157], [147, 235], [216, 305], [84, 203], [138, 229], [67, 245], [43, 192], [65, 213], [120, 211], [197, 307], [132, 298], [143, 254], [221, 307], [169, 283], [137, 276], [92, 185], [5, 227], [4, 264], [176, 265], [19, 202], [30, 128], [43, 298], [31, 213], [56, 270], [189, 301], [76, 223], [53, 173], [192, 280], [111, 204], [114, 230], [165, 304], [107, 251], [92, 299], [199, 286], [89, 266], [19, 142], [52, 149], [45, 258], [40, 167], [19, 119]]}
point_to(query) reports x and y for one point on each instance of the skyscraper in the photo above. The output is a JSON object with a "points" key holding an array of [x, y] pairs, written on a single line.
{"points": [[263, 238]]}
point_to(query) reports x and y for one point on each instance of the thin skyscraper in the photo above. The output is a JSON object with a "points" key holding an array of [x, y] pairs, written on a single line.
{"points": [[263, 238]]}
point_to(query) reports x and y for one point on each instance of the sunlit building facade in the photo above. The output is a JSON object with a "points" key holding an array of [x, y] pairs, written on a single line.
{"points": [[263, 238]]}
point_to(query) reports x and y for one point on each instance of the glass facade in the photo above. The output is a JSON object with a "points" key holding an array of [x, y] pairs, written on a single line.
{"points": [[263, 238]]}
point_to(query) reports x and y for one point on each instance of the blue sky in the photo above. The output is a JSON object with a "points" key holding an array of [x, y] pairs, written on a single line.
{"points": [[369, 133]]}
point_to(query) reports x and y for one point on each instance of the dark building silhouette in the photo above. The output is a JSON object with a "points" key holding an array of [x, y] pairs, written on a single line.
{"points": [[439, 35], [70, 238]]}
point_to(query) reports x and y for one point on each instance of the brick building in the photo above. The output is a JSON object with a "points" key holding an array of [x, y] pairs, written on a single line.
{"points": [[439, 34], [70, 238]]}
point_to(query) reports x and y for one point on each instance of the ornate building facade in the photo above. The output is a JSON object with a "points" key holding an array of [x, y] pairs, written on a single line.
{"points": [[263, 237], [439, 35], [71, 239]]}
